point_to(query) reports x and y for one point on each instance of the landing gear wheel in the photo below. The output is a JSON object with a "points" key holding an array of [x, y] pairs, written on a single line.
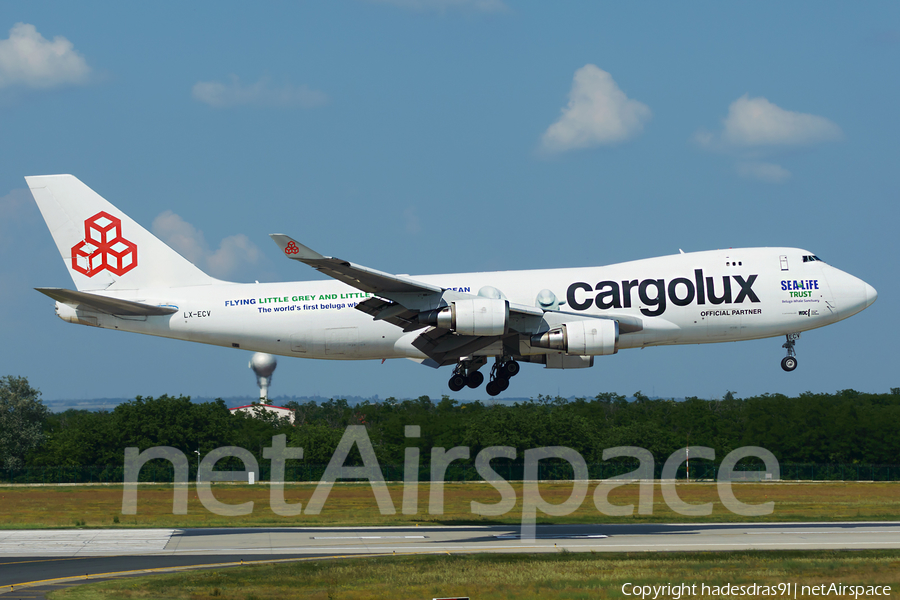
{"points": [[475, 379], [789, 362], [510, 369], [457, 382], [500, 374]]}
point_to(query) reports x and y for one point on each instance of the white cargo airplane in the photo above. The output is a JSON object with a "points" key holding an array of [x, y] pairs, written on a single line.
{"points": [[129, 280]]}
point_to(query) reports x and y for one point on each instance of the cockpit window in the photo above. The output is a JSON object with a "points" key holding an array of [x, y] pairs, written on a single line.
{"points": [[812, 258]]}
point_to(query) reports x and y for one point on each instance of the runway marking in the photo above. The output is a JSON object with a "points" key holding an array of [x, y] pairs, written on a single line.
{"points": [[489, 548], [430, 548], [516, 536], [841, 532], [114, 574], [52, 559], [75, 541], [372, 537], [124, 542]]}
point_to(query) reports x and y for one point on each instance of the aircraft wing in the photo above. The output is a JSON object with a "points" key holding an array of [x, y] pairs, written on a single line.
{"points": [[362, 278], [399, 300], [105, 304], [385, 285]]}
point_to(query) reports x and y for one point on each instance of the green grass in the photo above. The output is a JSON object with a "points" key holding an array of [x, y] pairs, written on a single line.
{"points": [[354, 504], [486, 577]]}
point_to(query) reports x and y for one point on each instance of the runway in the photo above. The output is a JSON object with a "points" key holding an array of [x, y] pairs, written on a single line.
{"points": [[64, 556]]}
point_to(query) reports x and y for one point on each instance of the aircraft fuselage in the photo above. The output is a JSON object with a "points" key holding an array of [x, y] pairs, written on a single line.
{"points": [[692, 298]]}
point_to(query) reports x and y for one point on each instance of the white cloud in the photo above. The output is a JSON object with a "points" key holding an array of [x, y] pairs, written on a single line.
{"points": [[598, 113], [755, 128], [766, 172], [30, 60], [234, 253], [758, 122], [261, 93], [444, 5]]}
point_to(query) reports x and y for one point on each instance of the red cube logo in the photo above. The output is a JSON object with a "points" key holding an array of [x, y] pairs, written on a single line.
{"points": [[104, 247]]}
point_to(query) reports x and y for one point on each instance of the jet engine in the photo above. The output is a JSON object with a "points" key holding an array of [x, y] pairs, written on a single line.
{"points": [[594, 337], [475, 316]]}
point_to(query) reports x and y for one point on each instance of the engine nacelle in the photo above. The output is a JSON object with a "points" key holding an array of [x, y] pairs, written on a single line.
{"points": [[594, 337], [475, 316]]}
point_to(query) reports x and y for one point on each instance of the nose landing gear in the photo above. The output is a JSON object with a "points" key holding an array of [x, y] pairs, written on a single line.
{"points": [[789, 362], [501, 373]]}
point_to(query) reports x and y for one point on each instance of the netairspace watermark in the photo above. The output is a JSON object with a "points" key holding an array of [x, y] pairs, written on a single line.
{"points": [[441, 458], [676, 591]]}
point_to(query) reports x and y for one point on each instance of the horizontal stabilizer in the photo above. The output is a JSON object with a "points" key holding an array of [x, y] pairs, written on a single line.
{"points": [[105, 304]]}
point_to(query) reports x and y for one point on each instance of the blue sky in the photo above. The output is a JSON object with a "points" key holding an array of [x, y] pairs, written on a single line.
{"points": [[430, 136]]}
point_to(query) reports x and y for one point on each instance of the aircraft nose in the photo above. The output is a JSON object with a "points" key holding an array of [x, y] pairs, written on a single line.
{"points": [[871, 295], [850, 293]]}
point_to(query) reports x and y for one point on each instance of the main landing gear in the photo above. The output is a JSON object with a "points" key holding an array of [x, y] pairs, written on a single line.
{"points": [[465, 374], [789, 362], [501, 373]]}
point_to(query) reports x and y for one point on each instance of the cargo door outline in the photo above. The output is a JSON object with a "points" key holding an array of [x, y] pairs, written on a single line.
{"points": [[342, 341], [300, 343]]}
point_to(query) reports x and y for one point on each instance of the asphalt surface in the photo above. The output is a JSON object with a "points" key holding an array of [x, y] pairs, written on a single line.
{"points": [[33, 562]]}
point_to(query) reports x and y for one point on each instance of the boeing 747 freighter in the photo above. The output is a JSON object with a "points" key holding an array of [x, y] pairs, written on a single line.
{"points": [[127, 279]]}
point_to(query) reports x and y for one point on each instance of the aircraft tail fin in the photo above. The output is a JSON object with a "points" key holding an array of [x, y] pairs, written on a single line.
{"points": [[103, 248]]}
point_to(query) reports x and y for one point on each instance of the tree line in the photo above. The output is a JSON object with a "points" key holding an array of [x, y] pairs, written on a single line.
{"points": [[842, 427]]}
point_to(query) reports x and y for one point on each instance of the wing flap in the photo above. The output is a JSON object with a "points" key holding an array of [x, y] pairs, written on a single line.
{"points": [[446, 348], [393, 313]]}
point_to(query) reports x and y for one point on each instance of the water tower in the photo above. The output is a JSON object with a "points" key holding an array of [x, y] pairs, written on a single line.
{"points": [[263, 365]]}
